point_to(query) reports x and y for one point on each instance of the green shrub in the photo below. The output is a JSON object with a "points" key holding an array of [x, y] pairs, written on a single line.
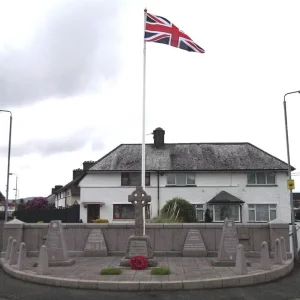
{"points": [[112, 271], [180, 210], [100, 221], [160, 271], [40, 222]]}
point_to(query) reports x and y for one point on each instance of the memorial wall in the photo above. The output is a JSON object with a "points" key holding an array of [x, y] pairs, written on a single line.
{"points": [[166, 239]]}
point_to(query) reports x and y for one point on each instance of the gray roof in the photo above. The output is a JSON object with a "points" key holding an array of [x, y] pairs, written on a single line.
{"points": [[190, 157], [224, 197]]}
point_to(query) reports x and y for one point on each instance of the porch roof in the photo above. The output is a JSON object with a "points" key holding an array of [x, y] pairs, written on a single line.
{"points": [[225, 198]]}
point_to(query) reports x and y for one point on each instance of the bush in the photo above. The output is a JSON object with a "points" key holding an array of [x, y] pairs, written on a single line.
{"points": [[37, 204], [100, 221], [40, 222], [21, 205], [180, 210]]}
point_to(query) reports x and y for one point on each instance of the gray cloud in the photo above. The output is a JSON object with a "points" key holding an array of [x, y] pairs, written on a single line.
{"points": [[74, 49], [70, 143]]}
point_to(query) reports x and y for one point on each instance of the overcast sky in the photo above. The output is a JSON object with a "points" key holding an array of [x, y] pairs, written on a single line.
{"points": [[71, 73]]}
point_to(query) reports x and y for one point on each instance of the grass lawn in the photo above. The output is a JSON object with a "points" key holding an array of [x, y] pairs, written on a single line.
{"points": [[112, 271], [160, 271]]}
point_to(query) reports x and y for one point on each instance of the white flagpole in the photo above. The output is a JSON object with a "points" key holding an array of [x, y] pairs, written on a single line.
{"points": [[144, 117]]}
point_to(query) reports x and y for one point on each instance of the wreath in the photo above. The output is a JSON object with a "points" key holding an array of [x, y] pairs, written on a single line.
{"points": [[138, 263]]}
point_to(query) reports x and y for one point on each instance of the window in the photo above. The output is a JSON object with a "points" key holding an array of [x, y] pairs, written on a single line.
{"points": [[261, 178], [223, 211], [126, 211], [262, 212], [199, 211], [134, 179], [181, 179]]}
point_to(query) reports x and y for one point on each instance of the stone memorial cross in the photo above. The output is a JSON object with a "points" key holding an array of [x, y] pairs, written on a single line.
{"points": [[139, 199]]}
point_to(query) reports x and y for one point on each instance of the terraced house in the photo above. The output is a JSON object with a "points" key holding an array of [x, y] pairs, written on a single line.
{"points": [[235, 180]]}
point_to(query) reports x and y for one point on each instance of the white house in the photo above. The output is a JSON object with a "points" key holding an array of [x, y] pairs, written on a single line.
{"points": [[70, 193], [235, 180]]}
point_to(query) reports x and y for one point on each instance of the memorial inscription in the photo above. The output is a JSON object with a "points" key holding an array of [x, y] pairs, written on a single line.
{"points": [[95, 244], [138, 248], [56, 246], [229, 242], [194, 245]]}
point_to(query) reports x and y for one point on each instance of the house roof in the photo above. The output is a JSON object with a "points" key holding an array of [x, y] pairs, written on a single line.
{"points": [[224, 197], [190, 157], [73, 185]]}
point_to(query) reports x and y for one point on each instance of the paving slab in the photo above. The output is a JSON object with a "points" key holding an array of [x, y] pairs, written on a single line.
{"points": [[186, 273]]}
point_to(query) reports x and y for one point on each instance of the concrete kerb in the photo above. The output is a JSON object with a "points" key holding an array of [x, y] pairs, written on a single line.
{"points": [[122, 286]]}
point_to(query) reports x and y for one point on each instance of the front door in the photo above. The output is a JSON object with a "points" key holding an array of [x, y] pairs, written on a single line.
{"points": [[93, 212]]}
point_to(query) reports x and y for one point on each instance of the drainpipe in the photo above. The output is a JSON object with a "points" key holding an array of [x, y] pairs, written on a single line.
{"points": [[158, 193]]}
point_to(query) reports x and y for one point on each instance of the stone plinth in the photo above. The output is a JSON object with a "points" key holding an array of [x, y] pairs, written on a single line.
{"points": [[95, 244], [194, 245], [228, 246], [139, 245], [56, 246]]}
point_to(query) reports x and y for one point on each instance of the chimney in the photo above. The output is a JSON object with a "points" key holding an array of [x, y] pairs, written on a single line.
{"points": [[77, 173], [56, 188], [88, 164], [159, 137]]}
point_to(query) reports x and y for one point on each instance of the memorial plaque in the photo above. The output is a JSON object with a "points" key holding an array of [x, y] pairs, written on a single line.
{"points": [[56, 245], [95, 244], [194, 245], [138, 247], [229, 242]]}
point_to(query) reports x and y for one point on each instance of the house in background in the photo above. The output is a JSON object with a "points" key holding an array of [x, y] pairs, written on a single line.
{"points": [[70, 193], [51, 198], [235, 180], [2, 202], [296, 198]]}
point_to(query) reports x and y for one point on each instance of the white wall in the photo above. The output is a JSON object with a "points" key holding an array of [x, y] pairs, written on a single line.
{"points": [[107, 188]]}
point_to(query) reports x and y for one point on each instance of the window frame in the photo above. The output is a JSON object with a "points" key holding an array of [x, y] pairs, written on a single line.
{"points": [[147, 178], [201, 209], [269, 211], [128, 219], [266, 173], [222, 221], [186, 179]]}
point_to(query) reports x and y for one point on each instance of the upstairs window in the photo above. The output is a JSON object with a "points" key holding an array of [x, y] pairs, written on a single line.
{"points": [[181, 179], [261, 178], [134, 179]]}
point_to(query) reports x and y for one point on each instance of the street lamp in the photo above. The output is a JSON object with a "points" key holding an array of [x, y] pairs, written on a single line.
{"points": [[8, 162], [16, 189], [294, 233]]}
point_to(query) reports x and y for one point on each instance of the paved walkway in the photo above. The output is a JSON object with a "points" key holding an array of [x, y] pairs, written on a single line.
{"points": [[186, 273]]}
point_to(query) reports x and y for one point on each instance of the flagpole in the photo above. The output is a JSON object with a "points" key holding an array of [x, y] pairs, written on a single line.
{"points": [[144, 117]]}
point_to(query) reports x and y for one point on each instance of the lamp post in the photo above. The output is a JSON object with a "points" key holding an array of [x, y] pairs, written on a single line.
{"points": [[16, 189], [8, 162], [294, 233]]}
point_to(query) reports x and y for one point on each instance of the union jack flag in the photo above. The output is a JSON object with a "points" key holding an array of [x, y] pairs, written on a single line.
{"points": [[161, 30]]}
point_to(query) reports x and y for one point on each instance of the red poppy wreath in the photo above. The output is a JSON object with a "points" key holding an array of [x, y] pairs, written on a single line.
{"points": [[138, 263]]}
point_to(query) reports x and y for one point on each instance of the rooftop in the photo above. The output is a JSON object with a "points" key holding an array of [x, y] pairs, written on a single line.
{"points": [[190, 157]]}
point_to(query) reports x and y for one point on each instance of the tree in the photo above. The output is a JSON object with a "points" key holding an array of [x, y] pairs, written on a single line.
{"points": [[179, 209], [21, 205], [37, 204]]}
